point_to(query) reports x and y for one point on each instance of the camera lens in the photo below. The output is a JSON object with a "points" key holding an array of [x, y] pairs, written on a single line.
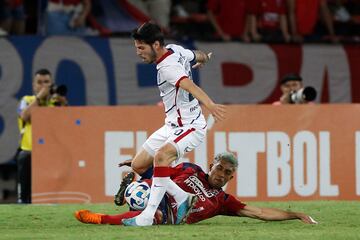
{"points": [[309, 93], [303, 95], [61, 90]]}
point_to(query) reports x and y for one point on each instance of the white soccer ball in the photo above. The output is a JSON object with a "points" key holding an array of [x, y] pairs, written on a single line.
{"points": [[137, 195]]}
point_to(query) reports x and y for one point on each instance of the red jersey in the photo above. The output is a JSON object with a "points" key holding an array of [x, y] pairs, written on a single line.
{"points": [[230, 15], [268, 12], [211, 201], [306, 15]]}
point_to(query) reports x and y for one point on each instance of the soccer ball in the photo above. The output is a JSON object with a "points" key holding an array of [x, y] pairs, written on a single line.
{"points": [[137, 195]]}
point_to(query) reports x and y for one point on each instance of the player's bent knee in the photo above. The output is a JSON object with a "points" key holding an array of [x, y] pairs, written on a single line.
{"points": [[142, 162], [138, 169], [165, 155]]}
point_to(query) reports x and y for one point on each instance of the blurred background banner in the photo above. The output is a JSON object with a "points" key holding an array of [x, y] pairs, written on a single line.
{"points": [[292, 153], [106, 71]]}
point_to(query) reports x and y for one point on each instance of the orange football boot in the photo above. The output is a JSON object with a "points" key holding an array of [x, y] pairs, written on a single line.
{"points": [[86, 216]]}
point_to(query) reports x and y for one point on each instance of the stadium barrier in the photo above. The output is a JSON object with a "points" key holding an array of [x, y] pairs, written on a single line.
{"points": [[302, 152], [106, 71]]}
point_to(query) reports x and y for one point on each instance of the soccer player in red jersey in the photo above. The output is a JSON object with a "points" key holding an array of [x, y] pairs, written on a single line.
{"points": [[212, 200]]}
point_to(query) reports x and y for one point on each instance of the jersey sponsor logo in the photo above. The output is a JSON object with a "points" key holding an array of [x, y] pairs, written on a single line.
{"points": [[198, 187], [194, 107]]}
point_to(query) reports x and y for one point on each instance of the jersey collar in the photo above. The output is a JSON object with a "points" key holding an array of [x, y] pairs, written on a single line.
{"points": [[168, 53]]}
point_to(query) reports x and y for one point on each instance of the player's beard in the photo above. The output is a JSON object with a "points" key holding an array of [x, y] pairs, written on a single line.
{"points": [[152, 56]]}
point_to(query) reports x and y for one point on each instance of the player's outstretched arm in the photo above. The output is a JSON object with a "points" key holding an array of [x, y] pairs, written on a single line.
{"points": [[201, 58], [217, 110], [274, 214]]}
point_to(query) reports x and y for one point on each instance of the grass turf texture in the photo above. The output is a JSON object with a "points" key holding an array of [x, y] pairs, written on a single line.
{"points": [[337, 220]]}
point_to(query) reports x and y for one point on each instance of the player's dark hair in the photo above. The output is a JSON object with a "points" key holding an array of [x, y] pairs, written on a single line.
{"points": [[43, 71], [228, 157], [149, 33], [291, 77]]}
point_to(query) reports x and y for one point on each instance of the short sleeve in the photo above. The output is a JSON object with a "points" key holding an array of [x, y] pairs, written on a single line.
{"points": [[172, 74], [232, 205], [187, 53]]}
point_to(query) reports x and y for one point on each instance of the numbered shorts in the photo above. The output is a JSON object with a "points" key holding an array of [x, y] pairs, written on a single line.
{"points": [[184, 139]]}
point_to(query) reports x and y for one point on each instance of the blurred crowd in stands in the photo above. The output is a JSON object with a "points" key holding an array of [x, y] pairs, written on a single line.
{"points": [[211, 20]]}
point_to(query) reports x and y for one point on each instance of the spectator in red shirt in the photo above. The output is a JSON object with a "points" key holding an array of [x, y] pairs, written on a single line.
{"points": [[227, 18], [267, 17], [303, 16]]}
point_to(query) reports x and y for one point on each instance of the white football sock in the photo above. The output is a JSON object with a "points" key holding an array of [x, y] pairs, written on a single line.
{"points": [[157, 192], [176, 192]]}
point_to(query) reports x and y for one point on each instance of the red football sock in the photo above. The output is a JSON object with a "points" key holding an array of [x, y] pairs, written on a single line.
{"points": [[117, 219]]}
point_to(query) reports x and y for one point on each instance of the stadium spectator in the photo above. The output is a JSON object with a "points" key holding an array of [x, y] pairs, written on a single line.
{"points": [[228, 19], [67, 17], [340, 11], [212, 200], [185, 125], [346, 18], [42, 97], [12, 17], [189, 20], [291, 84], [303, 17], [156, 10], [267, 20]]}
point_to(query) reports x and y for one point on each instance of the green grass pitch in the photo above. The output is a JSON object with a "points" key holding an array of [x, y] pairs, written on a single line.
{"points": [[337, 220]]}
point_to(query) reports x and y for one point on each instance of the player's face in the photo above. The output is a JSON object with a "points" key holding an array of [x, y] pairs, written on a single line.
{"points": [[41, 81], [220, 173], [145, 51], [291, 86]]}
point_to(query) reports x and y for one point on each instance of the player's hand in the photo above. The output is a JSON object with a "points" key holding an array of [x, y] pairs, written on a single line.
{"points": [[307, 219], [200, 64], [218, 111], [125, 163]]}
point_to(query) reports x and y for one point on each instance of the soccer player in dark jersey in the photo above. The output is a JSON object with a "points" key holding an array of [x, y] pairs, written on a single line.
{"points": [[212, 200]]}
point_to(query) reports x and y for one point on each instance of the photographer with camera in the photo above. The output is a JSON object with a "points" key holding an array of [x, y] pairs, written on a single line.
{"points": [[46, 94], [293, 91]]}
